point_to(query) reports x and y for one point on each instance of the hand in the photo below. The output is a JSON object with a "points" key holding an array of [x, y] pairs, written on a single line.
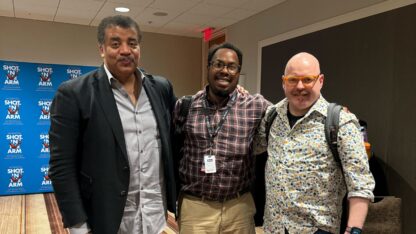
{"points": [[242, 90], [346, 109]]}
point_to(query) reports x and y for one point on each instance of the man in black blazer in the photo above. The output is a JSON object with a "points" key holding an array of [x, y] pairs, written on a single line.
{"points": [[111, 160]]}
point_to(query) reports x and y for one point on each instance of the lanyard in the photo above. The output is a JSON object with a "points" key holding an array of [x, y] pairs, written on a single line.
{"points": [[213, 132]]}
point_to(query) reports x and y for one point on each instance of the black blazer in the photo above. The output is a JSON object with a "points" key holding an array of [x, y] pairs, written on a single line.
{"points": [[89, 167]]}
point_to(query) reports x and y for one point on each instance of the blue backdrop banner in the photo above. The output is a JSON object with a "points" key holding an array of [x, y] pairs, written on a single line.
{"points": [[26, 93]]}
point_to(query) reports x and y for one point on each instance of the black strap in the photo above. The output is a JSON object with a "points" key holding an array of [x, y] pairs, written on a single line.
{"points": [[183, 114], [178, 139], [331, 129], [269, 121]]}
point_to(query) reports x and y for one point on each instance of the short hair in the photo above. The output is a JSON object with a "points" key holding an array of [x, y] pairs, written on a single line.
{"points": [[225, 45], [117, 20]]}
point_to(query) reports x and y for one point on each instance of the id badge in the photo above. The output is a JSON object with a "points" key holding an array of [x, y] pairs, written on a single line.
{"points": [[209, 163]]}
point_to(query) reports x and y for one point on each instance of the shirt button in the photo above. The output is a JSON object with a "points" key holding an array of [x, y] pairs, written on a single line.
{"points": [[142, 170], [141, 151], [123, 193], [140, 131]]}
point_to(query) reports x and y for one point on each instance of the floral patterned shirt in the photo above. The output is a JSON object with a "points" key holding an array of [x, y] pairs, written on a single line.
{"points": [[304, 183]]}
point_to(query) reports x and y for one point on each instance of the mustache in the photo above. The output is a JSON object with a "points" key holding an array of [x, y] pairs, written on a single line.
{"points": [[124, 58], [300, 93]]}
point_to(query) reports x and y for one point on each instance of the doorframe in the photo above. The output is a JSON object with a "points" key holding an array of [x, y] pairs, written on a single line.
{"points": [[205, 48]]}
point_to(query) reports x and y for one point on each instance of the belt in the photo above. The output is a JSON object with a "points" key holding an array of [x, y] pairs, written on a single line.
{"points": [[227, 198]]}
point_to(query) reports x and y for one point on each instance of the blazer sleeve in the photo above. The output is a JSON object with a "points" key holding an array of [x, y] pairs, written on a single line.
{"points": [[64, 137]]}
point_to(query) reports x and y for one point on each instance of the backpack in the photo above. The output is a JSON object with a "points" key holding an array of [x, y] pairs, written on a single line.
{"points": [[182, 115], [178, 137], [331, 127]]}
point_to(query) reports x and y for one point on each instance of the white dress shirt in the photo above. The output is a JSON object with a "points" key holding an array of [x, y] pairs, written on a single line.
{"points": [[145, 210]]}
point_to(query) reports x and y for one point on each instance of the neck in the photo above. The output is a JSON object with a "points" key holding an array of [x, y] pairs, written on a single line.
{"points": [[126, 80], [297, 112], [133, 86], [217, 99]]}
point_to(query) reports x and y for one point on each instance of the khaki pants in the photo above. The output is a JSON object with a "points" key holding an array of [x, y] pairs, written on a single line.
{"points": [[206, 217]]}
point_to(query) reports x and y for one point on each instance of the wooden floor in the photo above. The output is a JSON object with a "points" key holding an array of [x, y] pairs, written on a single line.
{"points": [[39, 213], [24, 214]]}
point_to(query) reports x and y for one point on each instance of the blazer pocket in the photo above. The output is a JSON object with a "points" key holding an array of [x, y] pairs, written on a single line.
{"points": [[85, 185]]}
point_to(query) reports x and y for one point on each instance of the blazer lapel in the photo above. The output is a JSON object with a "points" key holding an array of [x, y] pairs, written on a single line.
{"points": [[108, 103], [155, 101]]}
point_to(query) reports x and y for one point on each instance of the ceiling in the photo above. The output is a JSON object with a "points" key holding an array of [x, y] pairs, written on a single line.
{"points": [[185, 17]]}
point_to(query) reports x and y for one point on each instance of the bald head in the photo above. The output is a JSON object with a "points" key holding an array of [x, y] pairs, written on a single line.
{"points": [[302, 64], [302, 94]]}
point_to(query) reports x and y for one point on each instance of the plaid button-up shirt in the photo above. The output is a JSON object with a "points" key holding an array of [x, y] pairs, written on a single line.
{"points": [[232, 146]]}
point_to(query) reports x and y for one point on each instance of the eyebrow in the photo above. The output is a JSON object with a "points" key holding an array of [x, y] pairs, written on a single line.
{"points": [[224, 61], [115, 38]]}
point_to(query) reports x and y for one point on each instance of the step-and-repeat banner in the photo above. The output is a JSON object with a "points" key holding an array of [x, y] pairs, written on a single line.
{"points": [[26, 93]]}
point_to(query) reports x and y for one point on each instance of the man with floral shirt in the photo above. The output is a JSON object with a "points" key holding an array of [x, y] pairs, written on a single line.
{"points": [[305, 184]]}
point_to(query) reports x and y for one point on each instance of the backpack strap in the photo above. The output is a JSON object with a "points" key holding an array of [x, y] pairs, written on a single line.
{"points": [[269, 121], [332, 127], [183, 114], [178, 143]]}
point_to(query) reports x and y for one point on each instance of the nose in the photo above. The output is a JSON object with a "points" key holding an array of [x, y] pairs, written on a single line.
{"points": [[300, 85], [225, 69], [124, 49]]}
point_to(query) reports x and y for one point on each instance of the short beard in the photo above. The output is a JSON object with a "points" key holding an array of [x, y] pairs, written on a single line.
{"points": [[221, 93]]}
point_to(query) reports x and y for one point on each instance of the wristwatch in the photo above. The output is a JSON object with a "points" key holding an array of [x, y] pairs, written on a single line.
{"points": [[354, 230]]}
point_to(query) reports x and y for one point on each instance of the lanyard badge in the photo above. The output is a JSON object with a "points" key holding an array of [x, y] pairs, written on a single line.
{"points": [[209, 159], [209, 163]]}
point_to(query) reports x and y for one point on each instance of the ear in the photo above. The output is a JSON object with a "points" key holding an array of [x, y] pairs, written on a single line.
{"points": [[283, 82], [321, 78], [101, 49]]}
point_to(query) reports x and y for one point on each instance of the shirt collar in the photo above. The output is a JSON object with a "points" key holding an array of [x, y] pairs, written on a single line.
{"points": [[111, 77], [320, 106]]}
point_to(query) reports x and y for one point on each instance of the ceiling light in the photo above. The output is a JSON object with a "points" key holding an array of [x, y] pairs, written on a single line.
{"points": [[122, 9], [160, 13]]}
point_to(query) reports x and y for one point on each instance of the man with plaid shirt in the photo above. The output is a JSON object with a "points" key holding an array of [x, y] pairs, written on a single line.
{"points": [[217, 167]]}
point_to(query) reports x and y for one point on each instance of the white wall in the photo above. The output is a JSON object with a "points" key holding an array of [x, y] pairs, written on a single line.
{"points": [[177, 58]]}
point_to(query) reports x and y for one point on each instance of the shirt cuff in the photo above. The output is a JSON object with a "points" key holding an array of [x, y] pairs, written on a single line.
{"points": [[362, 194], [81, 228]]}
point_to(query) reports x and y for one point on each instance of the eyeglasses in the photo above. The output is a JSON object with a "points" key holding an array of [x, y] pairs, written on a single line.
{"points": [[307, 81], [231, 67]]}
